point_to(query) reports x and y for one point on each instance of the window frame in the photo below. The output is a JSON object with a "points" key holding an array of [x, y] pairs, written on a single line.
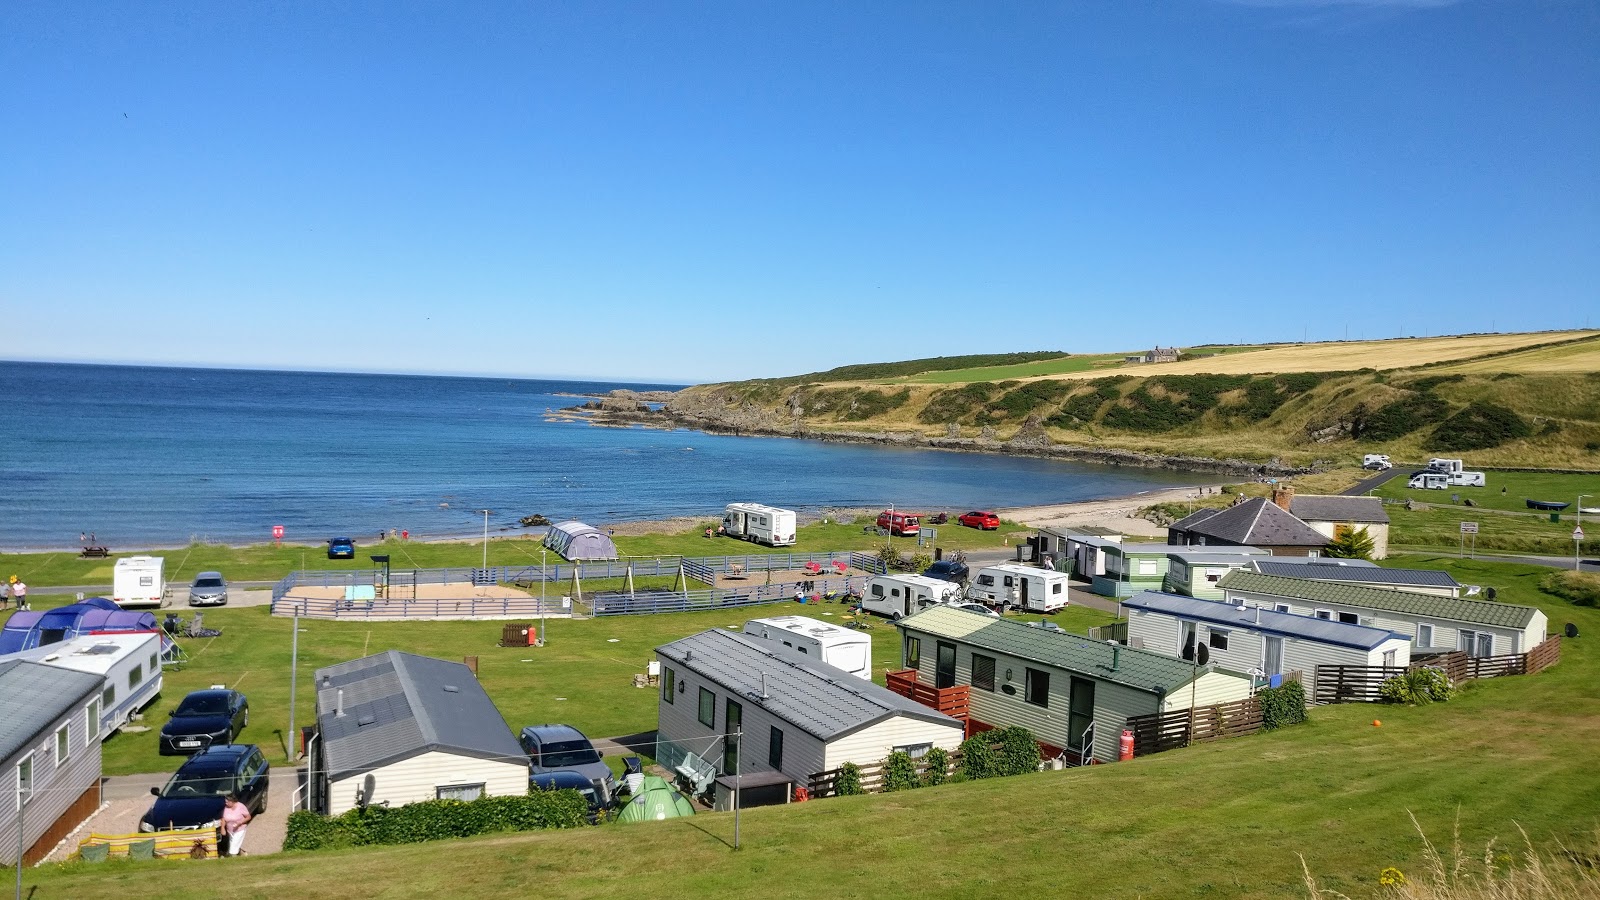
{"points": [[25, 786], [669, 684], [108, 697], [977, 660], [1349, 618], [913, 651], [708, 701], [440, 789], [775, 749], [1431, 632], [64, 742], [135, 676], [1031, 695], [1214, 635], [1325, 615], [91, 720]]}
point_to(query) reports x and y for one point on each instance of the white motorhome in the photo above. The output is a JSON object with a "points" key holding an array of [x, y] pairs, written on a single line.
{"points": [[1467, 479], [1429, 481], [763, 524], [138, 581], [130, 663], [1447, 466], [1023, 587], [838, 647], [897, 596], [1376, 461]]}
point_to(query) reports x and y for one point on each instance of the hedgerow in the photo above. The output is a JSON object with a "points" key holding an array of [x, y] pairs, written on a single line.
{"points": [[1282, 705], [999, 753], [432, 820]]}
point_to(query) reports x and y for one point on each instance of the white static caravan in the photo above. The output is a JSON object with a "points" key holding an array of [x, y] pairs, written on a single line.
{"points": [[138, 581], [1023, 587], [1258, 641], [841, 648], [129, 663], [897, 596], [762, 524]]}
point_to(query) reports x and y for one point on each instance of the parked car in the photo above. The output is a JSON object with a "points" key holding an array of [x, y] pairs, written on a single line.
{"points": [[596, 796], [900, 523], [977, 608], [341, 548], [558, 748], [192, 797], [980, 519], [209, 589], [948, 570], [204, 718]]}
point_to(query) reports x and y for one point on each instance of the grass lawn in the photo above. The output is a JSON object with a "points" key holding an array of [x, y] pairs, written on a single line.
{"points": [[1226, 819], [1510, 491], [1440, 527]]}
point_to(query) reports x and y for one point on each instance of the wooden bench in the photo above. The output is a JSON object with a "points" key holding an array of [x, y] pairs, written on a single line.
{"points": [[95, 552]]}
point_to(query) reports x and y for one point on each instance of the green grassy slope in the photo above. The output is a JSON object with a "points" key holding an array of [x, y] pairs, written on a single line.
{"points": [[1228, 819]]}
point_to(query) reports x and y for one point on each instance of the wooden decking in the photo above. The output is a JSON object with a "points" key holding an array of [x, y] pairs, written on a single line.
{"points": [[952, 701]]}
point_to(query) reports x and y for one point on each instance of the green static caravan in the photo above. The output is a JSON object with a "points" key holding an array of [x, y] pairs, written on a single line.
{"points": [[1132, 567], [1053, 683], [1196, 571]]}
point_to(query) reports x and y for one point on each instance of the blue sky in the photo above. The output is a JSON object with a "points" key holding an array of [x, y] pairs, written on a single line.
{"points": [[713, 190]]}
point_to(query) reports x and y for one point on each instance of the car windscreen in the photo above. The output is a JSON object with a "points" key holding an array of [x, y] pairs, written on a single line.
{"points": [[568, 753], [207, 582], [198, 784], [211, 705]]}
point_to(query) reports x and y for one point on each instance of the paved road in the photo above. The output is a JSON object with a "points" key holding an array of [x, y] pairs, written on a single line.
{"points": [[1373, 482]]}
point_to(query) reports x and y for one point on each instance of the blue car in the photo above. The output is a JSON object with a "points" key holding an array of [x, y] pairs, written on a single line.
{"points": [[341, 548], [192, 798]]}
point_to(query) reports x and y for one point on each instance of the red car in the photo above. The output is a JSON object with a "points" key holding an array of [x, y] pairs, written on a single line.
{"points": [[906, 524], [978, 518]]}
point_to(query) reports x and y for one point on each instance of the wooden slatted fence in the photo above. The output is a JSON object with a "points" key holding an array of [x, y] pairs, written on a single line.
{"points": [[1180, 728]]}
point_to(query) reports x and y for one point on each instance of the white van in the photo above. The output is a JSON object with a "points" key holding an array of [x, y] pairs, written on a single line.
{"points": [[897, 596], [838, 647], [1378, 461], [1467, 479], [1023, 587], [1429, 481], [138, 581], [763, 524]]}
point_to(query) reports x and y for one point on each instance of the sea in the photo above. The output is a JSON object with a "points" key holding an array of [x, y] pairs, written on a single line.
{"points": [[146, 457]]}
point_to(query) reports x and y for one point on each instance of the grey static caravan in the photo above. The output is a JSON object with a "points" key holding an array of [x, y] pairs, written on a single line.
{"points": [[128, 664]]}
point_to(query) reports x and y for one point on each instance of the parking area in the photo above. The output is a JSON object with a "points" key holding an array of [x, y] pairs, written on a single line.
{"points": [[127, 797]]}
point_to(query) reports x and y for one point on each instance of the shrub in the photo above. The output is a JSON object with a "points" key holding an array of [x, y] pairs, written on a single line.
{"points": [[1019, 752], [1478, 427], [1354, 543], [1283, 705], [977, 759], [938, 767], [900, 772], [848, 784], [1580, 588], [920, 561], [1418, 687], [1398, 419], [956, 404], [432, 820]]}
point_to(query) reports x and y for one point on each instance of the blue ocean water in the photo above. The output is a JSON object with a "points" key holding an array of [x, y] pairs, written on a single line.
{"points": [[147, 457]]}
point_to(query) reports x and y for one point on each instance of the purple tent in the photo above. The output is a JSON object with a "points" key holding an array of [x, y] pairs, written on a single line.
{"points": [[27, 630]]}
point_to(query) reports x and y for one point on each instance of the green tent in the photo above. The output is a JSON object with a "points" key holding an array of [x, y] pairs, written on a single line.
{"points": [[656, 800]]}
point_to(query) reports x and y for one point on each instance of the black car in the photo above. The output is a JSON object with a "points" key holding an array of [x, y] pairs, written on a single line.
{"points": [[192, 798], [948, 570], [341, 548], [214, 716], [594, 793]]}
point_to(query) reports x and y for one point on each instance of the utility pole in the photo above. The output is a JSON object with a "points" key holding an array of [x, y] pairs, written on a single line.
{"points": [[738, 763], [543, 577], [294, 673]]}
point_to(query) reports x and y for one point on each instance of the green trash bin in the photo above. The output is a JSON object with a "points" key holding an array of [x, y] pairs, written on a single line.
{"points": [[1555, 518]]}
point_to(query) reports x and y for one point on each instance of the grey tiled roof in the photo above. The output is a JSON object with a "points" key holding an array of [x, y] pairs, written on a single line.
{"points": [[1266, 621], [1327, 508], [1199, 515], [33, 695], [817, 698], [397, 705], [1362, 572], [1138, 669], [1255, 523], [1218, 555], [1478, 612]]}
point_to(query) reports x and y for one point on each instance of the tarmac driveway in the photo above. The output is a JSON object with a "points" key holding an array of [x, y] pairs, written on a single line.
{"points": [[127, 797]]}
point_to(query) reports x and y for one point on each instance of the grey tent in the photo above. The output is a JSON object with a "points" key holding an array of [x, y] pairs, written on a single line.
{"points": [[575, 541], [657, 800]]}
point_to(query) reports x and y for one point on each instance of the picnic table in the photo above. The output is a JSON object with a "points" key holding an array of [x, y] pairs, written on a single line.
{"points": [[99, 552]]}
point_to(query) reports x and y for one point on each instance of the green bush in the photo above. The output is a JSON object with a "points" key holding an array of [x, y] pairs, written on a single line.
{"points": [[998, 753], [937, 761], [900, 772], [977, 759], [956, 404], [848, 784], [432, 820], [1478, 427], [1398, 419], [1418, 687], [1580, 588], [1283, 705], [1354, 543]]}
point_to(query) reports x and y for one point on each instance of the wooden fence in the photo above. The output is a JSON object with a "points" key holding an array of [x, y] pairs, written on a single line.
{"points": [[1354, 684], [952, 701], [825, 784], [1180, 728]]}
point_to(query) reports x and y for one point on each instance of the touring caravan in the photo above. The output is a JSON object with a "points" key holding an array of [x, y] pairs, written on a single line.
{"points": [[762, 524], [138, 581], [896, 596], [130, 663], [1376, 461], [1022, 587], [1429, 481], [1467, 479], [838, 647]]}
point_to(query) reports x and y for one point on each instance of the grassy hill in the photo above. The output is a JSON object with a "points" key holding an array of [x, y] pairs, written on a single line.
{"points": [[1229, 819], [1507, 400]]}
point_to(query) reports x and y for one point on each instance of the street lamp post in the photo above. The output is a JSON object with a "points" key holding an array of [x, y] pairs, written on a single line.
{"points": [[485, 539], [544, 574], [1577, 536]]}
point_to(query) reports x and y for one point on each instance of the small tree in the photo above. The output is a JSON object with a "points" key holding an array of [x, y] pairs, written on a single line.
{"points": [[1351, 543], [900, 772], [938, 767], [849, 781]]}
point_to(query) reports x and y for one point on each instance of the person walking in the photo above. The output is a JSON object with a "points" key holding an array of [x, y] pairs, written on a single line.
{"points": [[235, 817], [19, 592]]}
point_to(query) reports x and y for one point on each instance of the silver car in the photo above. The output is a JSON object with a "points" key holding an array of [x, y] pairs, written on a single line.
{"points": [[562, 748], [209, 589]]}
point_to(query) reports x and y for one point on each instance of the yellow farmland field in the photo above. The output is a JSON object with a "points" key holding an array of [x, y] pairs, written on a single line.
{"points": [[1401, 353], [1582, 357]]}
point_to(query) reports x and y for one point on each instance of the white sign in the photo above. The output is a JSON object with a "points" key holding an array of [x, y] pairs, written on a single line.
{"points": [[1469, 527], [1577, 533]]}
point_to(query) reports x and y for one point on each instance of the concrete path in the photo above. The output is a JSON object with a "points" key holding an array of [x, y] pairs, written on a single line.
{"points": [[126, 798]]}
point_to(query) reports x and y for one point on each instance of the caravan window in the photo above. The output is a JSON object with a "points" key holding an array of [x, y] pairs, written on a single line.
{"points": [[775, 750], [669, 683], [877, 590], [913, 653], [25, 779], [135, 675], [986, 580], [91, 719], [915, 751], [1055, 588], [983, 672], [63, 743], [108, 697], [1349, 618], [1038, 688], [459, 791], [1218, 639], [1424, 635], [708, 708]]}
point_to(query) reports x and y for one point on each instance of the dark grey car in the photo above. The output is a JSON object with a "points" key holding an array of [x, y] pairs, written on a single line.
{"points": [[562, 748], [209, 589]]}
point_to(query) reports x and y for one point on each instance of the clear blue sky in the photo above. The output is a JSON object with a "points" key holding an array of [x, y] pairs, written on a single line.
{"points": [[693, 191]]}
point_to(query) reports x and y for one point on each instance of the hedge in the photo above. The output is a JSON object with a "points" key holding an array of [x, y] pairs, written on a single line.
{"points": [[432, 820], [998, 753], [1282, 705]]}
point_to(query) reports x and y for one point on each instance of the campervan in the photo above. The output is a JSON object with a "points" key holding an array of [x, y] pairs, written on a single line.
{"points": [[901, 523], [1430, 481], [841, 648], [902, 595], [1467, 479], [1447, 466], [1023, 587], [130, 663], [1378, 461], [762, 524], [138, 581]]}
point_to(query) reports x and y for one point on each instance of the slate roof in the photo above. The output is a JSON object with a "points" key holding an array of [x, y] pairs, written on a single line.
{"points": [[1199, 515], [1329, 508], [1319, 570], [1223, 555], [33, 696], [1139, 669], [821, 700], [1254, 523], [1477, 612], [1266, 621], [398, 705]]}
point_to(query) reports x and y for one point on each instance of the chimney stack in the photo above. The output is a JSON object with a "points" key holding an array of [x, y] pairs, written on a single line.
{"points": [[1283, 496]]}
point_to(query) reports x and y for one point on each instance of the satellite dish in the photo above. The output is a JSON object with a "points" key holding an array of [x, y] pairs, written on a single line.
{"points": [[1205, 654]]}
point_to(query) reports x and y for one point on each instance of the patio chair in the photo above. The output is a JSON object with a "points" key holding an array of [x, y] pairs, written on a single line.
{"points": [[813, 568], [840, 566]]}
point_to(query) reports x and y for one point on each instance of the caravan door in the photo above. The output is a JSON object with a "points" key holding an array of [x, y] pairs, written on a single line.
{"points": [[945, 666], [1022, 590], [1080, 712]]}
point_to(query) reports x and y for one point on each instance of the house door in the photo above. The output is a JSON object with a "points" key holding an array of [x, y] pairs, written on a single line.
{"points": [[944, 674], [1080, 712], [1272, 663]]}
